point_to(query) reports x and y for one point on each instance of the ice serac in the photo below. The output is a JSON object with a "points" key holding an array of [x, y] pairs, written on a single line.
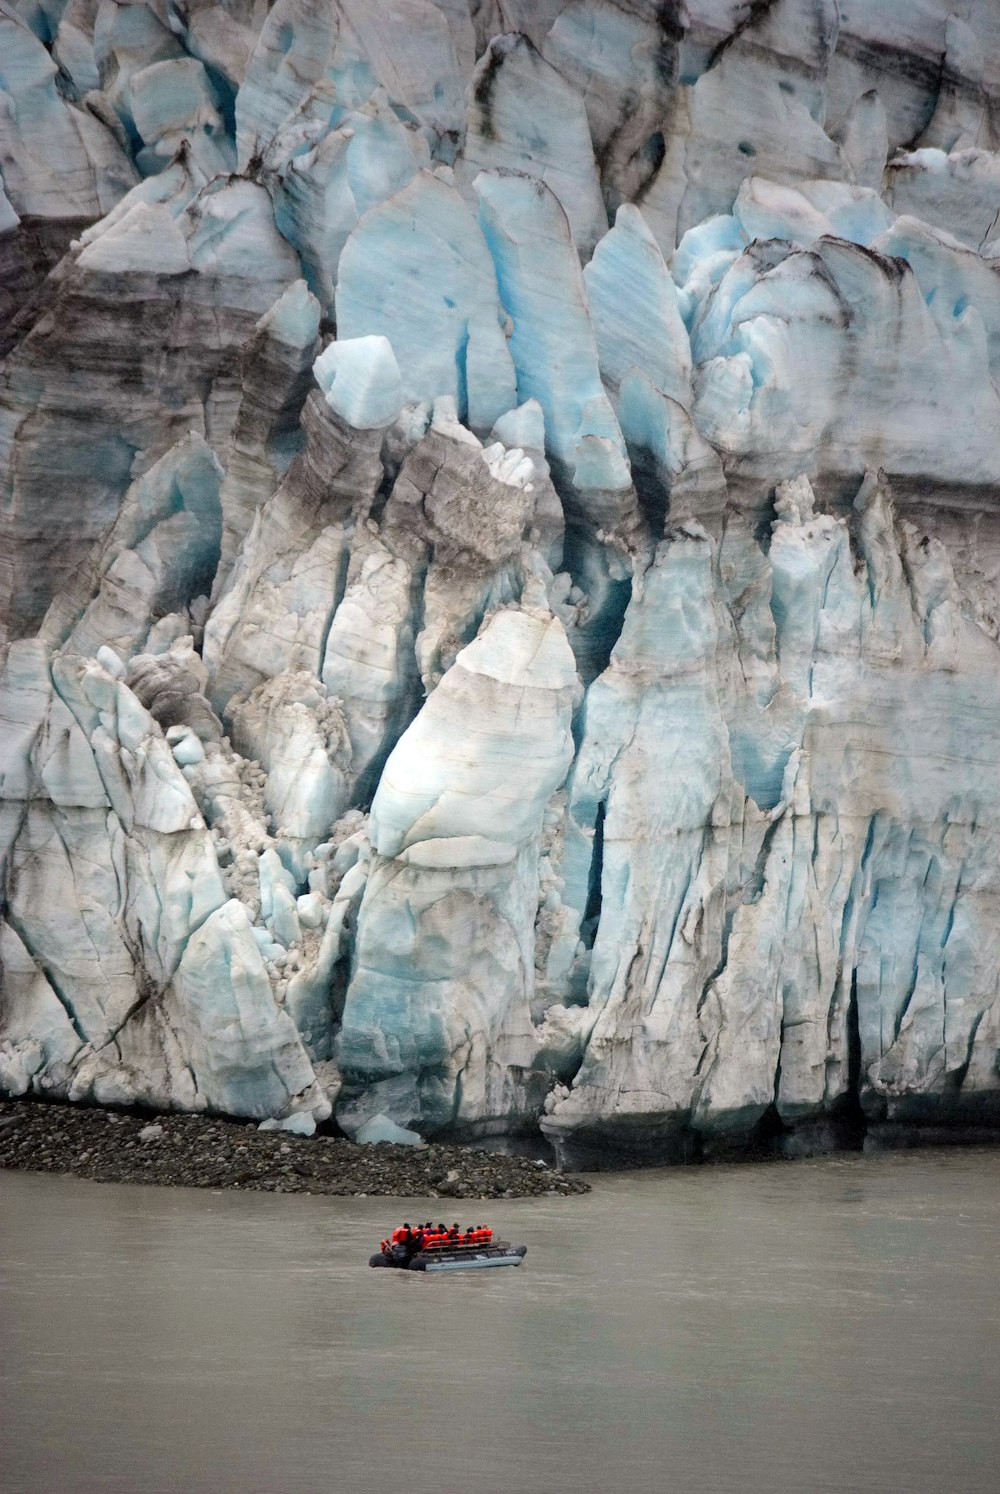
{"points": [[553, 342], [955, 191], [215, 1040], [655, 714], [61, 165], [360, 378], [159, 556], [299, 737], [324, 176], [276, 607], [499, 545], [461, 515], [755, 103], [525, 118], [100, 818], [644, 353], [417, 272], [635, 311], [317, 60], [148, 986], [275, 378], [137, 346], [833, 357], [437, 1027], [624, 63], [805, 942]]}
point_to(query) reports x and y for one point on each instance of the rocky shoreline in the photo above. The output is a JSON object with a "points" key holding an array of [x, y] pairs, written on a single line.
{"points": [[198, 1151]]}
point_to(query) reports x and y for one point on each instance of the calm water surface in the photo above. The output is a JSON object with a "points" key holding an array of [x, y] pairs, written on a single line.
{"points": [[829, 1325]]}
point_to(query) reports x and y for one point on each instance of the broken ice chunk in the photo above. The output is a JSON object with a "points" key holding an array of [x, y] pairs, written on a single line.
{"points": [[381, 1128], [360, 378]]}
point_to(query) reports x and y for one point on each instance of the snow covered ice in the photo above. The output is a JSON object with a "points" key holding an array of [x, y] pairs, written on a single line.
{"points": [[499, 566]]}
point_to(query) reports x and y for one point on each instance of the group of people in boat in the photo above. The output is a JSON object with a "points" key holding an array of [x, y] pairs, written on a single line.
{"points": [[410, 1240]]}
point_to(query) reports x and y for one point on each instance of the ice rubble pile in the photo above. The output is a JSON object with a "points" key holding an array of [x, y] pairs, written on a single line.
{"points": [[499, 562]]}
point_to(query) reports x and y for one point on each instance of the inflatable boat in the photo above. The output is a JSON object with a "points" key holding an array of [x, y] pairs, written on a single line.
{"points": [[475, 1250], [462, 1258]]}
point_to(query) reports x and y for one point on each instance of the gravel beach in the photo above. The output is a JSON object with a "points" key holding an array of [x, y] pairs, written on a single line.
{"points": [[208, 1152]]}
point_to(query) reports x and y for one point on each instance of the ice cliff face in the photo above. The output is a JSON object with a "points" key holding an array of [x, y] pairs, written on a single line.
{"points": [[499, 564]]}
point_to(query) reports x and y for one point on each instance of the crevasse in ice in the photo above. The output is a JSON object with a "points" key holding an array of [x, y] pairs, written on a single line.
{"points": [[499, 566]]}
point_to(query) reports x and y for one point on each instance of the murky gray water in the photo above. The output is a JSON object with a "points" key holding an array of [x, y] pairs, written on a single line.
{"points": [[832, 1325]]}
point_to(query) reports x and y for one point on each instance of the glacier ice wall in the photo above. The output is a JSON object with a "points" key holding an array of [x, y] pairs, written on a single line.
{"points": [[499, 552]]}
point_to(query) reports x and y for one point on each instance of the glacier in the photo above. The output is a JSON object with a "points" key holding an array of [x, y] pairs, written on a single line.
{"points": [[499, 564]]}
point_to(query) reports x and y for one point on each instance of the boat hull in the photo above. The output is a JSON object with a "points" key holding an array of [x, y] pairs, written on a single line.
{"points": [[480, 1264]]}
